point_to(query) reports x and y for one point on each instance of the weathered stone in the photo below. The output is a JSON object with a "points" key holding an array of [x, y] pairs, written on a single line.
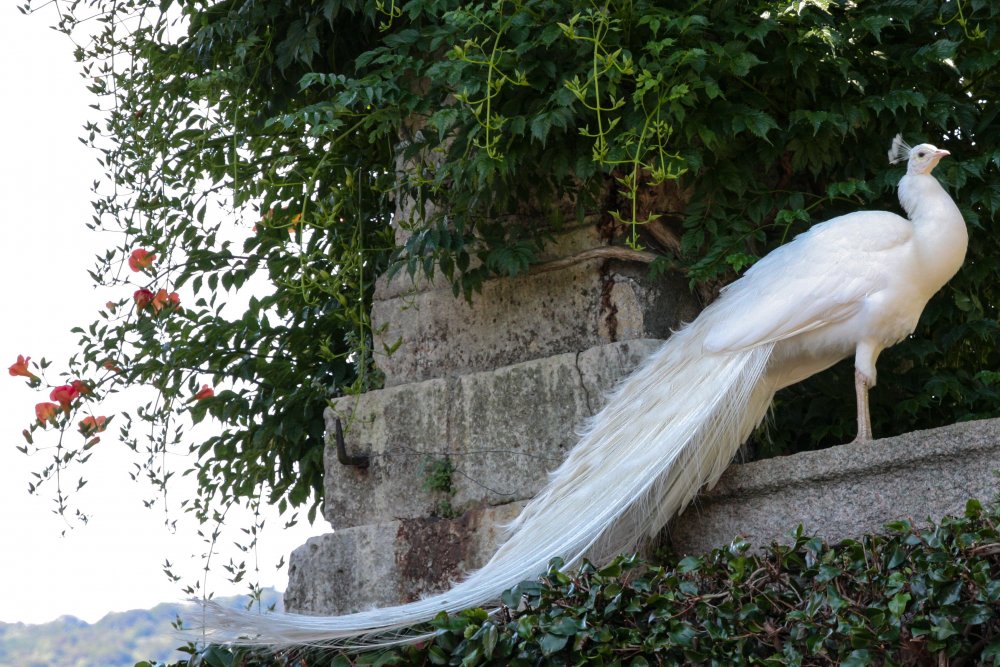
{"points": [[572, 240], [846, 491], [502, 431], [431, 333], [389, 563], [403, 430]]}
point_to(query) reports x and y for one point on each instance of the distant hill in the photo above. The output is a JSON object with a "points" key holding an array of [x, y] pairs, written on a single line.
{"points": [[117, 640]]}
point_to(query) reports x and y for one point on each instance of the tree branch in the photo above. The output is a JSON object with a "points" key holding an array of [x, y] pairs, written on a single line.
{"points": [[606, 252]]}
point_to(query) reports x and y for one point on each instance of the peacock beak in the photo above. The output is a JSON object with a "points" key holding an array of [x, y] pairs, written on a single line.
{"points": [[934, 159]]}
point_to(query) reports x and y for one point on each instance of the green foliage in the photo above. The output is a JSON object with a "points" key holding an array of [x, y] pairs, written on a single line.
{"points": [[913, 596], [439, 476], [754, 119]]}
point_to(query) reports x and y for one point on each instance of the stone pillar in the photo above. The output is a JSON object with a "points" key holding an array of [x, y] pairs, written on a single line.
{"points": [[481, 400]]}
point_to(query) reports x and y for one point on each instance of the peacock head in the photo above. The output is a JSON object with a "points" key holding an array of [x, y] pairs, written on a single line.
{"points": [[920, 159]]}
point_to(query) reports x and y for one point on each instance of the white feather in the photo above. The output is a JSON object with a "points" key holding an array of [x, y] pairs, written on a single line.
{"points": [[899, 150], [852, 285], [669, 430]]}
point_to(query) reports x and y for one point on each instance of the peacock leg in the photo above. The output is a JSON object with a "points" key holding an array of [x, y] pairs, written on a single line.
{"points": [[864, 417]]}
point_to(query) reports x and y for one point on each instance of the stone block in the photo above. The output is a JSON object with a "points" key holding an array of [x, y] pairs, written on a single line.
{"points": [[846, 491], [501, 431], [434, 334], [391, 563]]}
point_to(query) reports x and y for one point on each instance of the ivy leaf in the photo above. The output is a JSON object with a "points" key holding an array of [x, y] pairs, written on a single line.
{"points": [[552, 643], [897, 605], [759, 123]]}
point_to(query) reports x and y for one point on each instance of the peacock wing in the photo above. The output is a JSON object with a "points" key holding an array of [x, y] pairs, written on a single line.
{"points": [[819, 278]]}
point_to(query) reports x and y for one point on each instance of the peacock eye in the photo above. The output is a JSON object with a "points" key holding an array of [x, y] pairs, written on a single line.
{"points": [[921, 154]]}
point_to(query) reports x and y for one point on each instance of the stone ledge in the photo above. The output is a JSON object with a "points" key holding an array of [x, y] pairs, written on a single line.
{"points": [[846, 491], [501, 430], [390, 563]]}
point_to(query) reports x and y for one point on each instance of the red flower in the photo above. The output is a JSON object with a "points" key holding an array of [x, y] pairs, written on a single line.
{"points": [[141, 259], [21, 368], [46, 412], [64, 395], [81, 387], [91, 425], [109, 364], [143, 297], [204, 392]]}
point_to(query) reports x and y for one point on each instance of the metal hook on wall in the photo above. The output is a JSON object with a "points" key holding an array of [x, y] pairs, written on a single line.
{"points": [[360, 461]]}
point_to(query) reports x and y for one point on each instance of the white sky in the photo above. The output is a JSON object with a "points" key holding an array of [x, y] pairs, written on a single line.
{"points": [[114, 562]]}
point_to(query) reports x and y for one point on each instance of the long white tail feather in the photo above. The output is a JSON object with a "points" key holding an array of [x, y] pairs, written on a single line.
{"points": [[670, 429]]}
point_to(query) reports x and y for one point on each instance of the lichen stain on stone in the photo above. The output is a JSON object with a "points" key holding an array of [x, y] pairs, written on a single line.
{"points": [[437, 550]]}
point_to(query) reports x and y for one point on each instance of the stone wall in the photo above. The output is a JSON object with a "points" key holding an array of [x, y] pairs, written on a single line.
{"points": [[492, 391], [501, 432]]}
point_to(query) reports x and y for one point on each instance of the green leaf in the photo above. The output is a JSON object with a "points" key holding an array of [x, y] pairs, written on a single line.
{"points": [[490, 640], [897, 605], [943, 629], [898, 557], [991, 654], [552, 643], [857, 658], [689, 564], [436, 655]]}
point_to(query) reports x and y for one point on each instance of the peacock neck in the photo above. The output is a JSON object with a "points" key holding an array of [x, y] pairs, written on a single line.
{"points": [[941, 236]]}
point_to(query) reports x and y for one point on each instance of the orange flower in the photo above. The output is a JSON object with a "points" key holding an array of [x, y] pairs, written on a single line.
{"points": [[91, 425], [162, 299], [141, 259], [109, 364], [64, 395], [143, 297], [204, 392], [46, 412], [21, 368]]}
